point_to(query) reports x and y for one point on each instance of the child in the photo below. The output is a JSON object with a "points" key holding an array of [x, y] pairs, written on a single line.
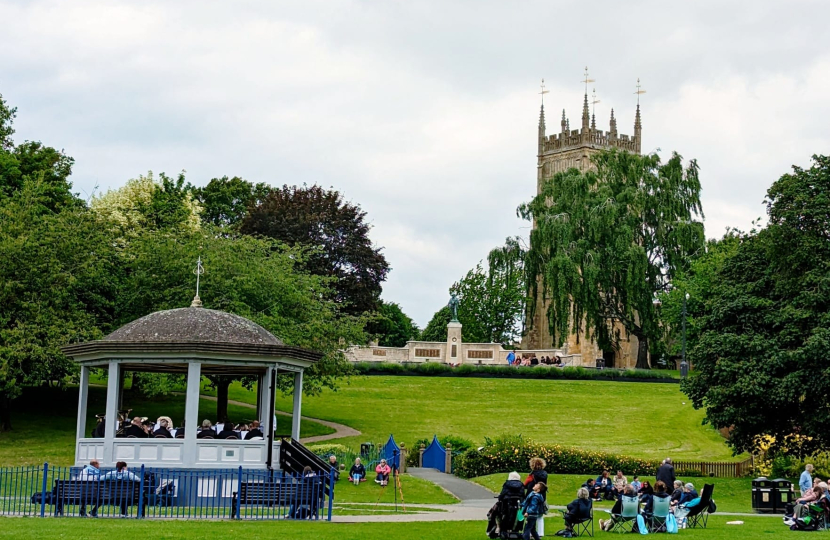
{"points": [[533, 508], [636, 484]]}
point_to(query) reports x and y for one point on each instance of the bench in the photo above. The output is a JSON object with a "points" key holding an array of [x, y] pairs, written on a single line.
{"points": [[306, 492], [95, 493]]}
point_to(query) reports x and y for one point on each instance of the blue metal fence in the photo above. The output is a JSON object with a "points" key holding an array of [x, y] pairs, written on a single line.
{"points": [[435, 456], [144, 492]]}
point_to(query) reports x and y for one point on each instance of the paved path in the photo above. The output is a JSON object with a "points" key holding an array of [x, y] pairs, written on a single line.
{"points": [[464, 490], [340, 430]]}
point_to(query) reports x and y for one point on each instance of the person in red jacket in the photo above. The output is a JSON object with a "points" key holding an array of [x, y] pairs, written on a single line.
{"points": [[383, 471]]}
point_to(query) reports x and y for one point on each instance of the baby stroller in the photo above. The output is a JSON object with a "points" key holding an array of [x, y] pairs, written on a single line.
{"points": [[502, 519]]}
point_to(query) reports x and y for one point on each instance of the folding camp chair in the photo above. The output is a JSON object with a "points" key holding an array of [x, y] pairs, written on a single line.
{"points": [[627, 518], [583, 526], [660, 510], [819, 513], [698, 516]]}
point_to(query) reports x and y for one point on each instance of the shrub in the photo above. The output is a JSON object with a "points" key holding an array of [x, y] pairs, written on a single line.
{"points": [[438, 369], [513, 453], [325, 450]]}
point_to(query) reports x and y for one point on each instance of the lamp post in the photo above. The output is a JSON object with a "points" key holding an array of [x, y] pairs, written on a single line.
{"points": [[684, 366]]}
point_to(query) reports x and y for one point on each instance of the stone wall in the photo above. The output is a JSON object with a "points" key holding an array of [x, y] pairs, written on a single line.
{"points": [[468, 353]]}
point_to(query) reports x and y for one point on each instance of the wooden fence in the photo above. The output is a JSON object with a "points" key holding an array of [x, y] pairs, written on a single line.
{"points": [[723, 470]]}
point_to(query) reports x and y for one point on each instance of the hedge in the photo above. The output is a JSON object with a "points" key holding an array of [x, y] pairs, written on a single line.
{"points": [[507, 372], [513, 452]]}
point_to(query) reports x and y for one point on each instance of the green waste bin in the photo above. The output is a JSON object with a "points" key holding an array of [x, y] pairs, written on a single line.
{"points": [[763, 499]]}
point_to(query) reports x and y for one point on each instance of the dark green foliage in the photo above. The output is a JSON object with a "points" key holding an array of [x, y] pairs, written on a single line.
{"points": [[7, 115], [513, 453], [392, 327], [225, 201], [460, 445], [760, 361], [506, 372], [335, 230], [606, 241], [59, 273]]}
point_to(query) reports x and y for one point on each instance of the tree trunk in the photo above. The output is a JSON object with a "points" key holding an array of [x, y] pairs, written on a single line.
{"points": [[222, 399], [5, 413], [642, 353]]}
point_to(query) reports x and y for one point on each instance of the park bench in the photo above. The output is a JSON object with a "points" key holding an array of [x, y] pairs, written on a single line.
{"points": [[290, 492], [95, 493]]}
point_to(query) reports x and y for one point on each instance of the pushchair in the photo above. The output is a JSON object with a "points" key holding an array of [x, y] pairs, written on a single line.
{"points": [[503, 517]]}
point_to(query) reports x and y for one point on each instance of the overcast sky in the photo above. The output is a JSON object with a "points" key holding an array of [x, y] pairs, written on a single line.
{"points": [[424, 113]]}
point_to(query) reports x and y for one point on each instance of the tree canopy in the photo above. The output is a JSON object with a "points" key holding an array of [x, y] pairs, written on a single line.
{"points": [[492, 300], [225, 201], [760, 366], [607, 240], [336, 232], [392, 327]]}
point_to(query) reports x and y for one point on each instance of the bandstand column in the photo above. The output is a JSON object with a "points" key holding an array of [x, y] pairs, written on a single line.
{"points": [[191, 412], [83, 394], [265, 417], [113, 376], [296, 414]]}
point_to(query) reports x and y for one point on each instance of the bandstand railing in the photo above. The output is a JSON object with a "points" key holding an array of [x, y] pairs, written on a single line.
{"points": [[145, 492]]}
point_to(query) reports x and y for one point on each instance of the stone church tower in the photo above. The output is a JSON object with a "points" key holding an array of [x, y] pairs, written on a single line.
{"points": [[560, 152]]}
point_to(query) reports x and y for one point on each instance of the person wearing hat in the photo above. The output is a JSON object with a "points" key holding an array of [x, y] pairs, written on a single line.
{"points": [[163, 428]]}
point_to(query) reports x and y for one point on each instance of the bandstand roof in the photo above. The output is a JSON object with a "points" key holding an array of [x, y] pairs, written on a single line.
{"points": [[166, 341]]}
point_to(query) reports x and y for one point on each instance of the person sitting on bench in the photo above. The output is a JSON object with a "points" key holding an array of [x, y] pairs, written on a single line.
{"points": [[122, 474], [90, 472], [358, 472], [383, 471]]}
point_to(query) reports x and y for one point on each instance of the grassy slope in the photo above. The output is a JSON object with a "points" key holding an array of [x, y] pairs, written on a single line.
{"points": [[731, 494], [640, 419], [70, 528], [44, 423], [415, 491]]}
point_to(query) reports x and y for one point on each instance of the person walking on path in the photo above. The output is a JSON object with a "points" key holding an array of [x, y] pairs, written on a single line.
{"points": [[533, 508], [805, 483], [665, 473]]}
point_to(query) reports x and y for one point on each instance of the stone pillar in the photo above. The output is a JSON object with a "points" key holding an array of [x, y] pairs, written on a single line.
{"points": [[454, 343], [111, 419], [421, 456], [191, 413], [402, 468], [296, 414], [448, 462]]}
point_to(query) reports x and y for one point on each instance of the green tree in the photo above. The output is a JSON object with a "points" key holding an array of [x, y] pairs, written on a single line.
{"points": [[257, 278], [59, 274], [760, 361], [492, 301], [392, 327], [225, 201], [606, 241], [335, 230]]}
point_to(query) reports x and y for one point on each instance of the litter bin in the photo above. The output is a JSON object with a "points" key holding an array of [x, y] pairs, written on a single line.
{"points": [[782, 490], [762, 495], [366, 448]]}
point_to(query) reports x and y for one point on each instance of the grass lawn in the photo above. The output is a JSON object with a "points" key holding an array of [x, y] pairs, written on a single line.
{"points": [[731, 494], [44, 421], [415, 491], [50, 528], [639, 419]]}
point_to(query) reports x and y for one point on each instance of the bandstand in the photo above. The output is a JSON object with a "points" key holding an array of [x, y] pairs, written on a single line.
{"points": [[192, 341]]}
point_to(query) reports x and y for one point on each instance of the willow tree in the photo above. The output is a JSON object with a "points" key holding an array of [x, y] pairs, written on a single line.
{"points": [[605, 241]]}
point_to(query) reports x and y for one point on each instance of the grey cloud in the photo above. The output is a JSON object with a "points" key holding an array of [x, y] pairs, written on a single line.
{"points": [[422, 112]]}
